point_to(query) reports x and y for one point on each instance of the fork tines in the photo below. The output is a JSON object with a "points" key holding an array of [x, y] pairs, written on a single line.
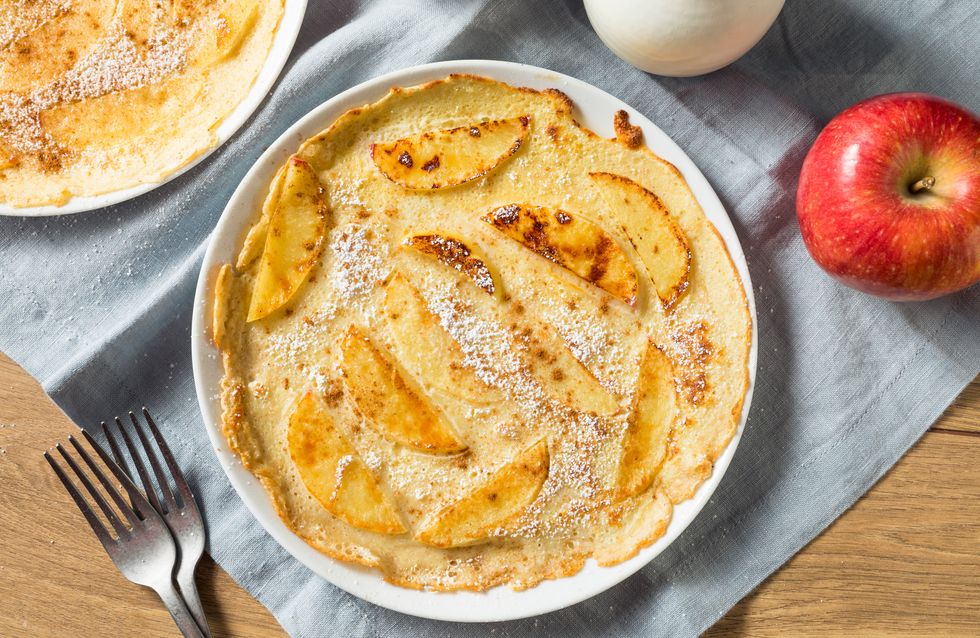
{"points": [[169, 502], [110, 515], [142, 537], [177, 507]]}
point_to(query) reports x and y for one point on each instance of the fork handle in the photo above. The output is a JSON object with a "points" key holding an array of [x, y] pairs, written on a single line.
{"points": [[179, 611], [188, 590]]}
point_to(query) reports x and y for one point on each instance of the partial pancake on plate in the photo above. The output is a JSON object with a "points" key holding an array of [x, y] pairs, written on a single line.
{"points": [[469, 343], [98, 96]]}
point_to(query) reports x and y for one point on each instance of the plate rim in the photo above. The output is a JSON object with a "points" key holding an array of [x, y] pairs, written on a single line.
{"points": [[499, 603], [290, 22]]}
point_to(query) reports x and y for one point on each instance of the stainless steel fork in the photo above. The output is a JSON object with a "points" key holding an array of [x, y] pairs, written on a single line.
{"points": [[142, 547], [179, 510]]}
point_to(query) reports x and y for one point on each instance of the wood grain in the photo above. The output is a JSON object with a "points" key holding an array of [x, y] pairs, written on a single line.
{"points": [[904, 561], [55, 578], [963, 415]]}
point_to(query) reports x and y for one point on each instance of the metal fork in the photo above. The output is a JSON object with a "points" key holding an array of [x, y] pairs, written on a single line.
{"points": [[143, 551], [180, 514]]}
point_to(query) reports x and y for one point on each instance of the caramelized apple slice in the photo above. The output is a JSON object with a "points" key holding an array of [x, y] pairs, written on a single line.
{"points": [[137, 115], [439, 159], [255, 239], [455, 254], [387, 401], [651, 229], [425, 348], [505, 495], [333, 472], [295, 240], [650, 423], [571, 242], [236, 20]]}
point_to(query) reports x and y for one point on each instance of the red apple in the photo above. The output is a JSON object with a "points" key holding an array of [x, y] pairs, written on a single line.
{"points": [[889, 197]]}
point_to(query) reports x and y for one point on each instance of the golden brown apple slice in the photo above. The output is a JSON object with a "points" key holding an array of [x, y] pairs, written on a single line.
{"points": [[385, 398], [137, 115], [457, 255], [236, 19], [294, 242], [554, 364], [504, 496], [255, 239], [425, 348], [650, 423], [333, 472], [235, 22], [657, 238], [439, 159], [571, 242]]}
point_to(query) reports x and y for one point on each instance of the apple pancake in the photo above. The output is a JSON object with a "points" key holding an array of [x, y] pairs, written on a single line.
{"points": [[100, 96], [468, 342]]}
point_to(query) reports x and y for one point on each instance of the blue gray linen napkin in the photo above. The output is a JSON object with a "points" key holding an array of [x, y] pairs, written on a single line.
{"points": [[97, 305]]}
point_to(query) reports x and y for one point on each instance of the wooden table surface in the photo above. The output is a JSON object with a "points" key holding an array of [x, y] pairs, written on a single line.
{"points": [[904, 561]]}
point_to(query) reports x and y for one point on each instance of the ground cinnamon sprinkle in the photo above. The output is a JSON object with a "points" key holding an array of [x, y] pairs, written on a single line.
{"points": [[691, 350], [117, 62]]}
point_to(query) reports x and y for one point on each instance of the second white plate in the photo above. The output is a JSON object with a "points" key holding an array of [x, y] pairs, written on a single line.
{"points": [[595, 110], [282, 45]]}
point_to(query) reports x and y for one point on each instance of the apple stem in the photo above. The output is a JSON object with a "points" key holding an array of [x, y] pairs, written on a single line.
{"points": [[924, 184]]}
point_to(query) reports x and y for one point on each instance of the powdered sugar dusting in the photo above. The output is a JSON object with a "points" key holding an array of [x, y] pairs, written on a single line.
{"points": [[116, 63], [498, 356], [342, 464], [361, 262], [19, 18], [357, 264], [347, 192], [590, 342], [489, 349]]}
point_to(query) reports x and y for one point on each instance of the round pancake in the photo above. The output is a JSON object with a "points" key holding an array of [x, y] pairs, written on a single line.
{"points": [[101, 96], [469, 342]]}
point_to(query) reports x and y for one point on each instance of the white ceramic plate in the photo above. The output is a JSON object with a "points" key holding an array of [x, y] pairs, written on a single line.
{"points": [[282, 44], [596, 109]]}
